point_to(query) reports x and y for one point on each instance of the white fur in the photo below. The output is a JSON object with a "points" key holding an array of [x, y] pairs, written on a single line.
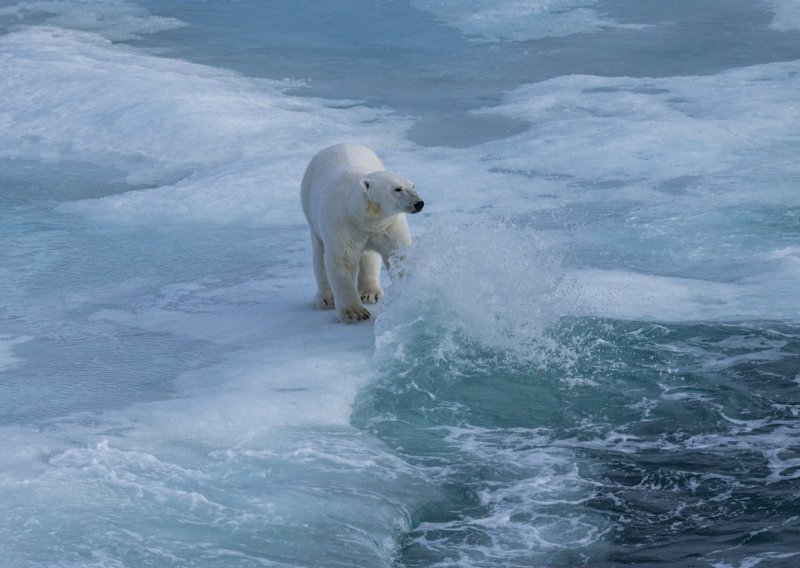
{"points": [[356, 216]]}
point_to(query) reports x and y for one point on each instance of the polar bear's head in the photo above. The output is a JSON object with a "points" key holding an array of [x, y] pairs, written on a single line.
{"points": [[389, 194]]}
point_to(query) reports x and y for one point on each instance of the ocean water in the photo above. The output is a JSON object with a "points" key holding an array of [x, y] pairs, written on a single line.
{"points": [[590, 356]]}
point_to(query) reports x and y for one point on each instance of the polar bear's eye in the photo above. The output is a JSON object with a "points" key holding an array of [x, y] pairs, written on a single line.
{"points": [[398, 189]]}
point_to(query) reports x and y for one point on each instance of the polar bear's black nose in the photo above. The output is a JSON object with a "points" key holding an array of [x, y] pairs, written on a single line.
{"points": [[419, 205]]}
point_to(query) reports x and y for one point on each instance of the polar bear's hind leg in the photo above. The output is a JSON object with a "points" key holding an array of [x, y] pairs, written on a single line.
{"points": [[324, 300]]}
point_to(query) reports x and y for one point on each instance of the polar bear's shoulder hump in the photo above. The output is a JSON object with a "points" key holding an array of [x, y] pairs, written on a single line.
{"points": [[347, 156]]}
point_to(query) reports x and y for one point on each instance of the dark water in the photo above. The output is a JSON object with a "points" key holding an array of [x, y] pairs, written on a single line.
{"points": [[657, 445]]}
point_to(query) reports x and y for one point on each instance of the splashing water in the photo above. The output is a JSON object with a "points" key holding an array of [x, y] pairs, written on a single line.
{"points": [[492, 284]]}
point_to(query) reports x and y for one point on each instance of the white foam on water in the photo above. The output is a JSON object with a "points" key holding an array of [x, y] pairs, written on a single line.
{"points": [[518, 20], [139, 503], [540, 511]]}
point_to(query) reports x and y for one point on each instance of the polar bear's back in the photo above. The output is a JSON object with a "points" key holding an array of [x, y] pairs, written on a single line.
{"points": [[341, 157], [328, 168]]}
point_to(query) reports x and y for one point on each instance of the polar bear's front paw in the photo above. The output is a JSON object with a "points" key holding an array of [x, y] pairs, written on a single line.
{"points": [[325, 301], [353, 314], [371, 295]]}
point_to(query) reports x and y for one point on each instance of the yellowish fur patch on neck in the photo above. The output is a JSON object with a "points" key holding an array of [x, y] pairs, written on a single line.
{"points": [[374, 209]]}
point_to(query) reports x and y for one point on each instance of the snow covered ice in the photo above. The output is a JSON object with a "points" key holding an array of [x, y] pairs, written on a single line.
{"points": [[593, 360]]}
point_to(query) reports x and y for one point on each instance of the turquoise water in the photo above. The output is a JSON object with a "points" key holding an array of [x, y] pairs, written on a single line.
{"points": [[590, 355], [660, 445]]}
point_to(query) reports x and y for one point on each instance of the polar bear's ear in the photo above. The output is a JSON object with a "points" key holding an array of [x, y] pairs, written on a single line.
{"points": [[364, 183]]}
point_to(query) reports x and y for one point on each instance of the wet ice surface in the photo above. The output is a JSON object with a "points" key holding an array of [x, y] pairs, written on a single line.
{"points": [[593, 360]]}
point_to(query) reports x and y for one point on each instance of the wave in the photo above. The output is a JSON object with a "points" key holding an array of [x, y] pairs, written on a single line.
{"points": [[648, 433]]}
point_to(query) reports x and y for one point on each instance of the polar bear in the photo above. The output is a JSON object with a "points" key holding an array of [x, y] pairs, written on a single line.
{"points": [[356, 212]]}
